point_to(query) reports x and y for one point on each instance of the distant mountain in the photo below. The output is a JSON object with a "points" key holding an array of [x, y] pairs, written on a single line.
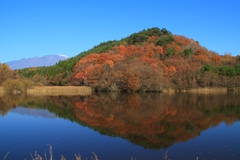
{"points": [[47, 60]]}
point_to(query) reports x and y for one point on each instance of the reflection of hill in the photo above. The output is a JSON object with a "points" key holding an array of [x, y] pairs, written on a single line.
{"points": [[151, 120], [157, 120]]}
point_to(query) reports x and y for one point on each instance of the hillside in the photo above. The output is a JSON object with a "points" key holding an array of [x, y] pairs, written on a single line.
{"points": [[47, 60], [150, 60]]}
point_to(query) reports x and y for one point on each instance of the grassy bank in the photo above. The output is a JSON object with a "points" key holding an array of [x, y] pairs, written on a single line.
{"points": [[212, 90], [60, 90], [56, 90], [84, 90], [205, 90]]}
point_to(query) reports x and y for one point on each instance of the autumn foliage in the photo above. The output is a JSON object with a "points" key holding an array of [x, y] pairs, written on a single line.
{"points": [[6, 73], [150, 60], [153, 64], [124, 67]]}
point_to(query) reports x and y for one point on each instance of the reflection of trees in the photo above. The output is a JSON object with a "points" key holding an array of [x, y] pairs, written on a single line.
{"points": [[61, 106], [8, 102], [157, 120], [152, 120]]}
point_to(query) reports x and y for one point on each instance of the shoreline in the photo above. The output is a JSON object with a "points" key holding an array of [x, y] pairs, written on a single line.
{"points": [[60, 90], [213, 90], [56, 90], [85, 90], [204, 90]]}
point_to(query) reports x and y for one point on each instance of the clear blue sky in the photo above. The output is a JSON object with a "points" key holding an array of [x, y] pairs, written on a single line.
{"points": [[30, 28]]}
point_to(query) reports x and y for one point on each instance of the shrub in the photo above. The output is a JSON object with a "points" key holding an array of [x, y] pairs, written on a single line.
{"points": [[12, 85]]}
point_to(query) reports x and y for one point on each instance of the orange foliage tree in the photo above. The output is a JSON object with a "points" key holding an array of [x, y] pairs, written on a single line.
{"points": [[161, 61]]}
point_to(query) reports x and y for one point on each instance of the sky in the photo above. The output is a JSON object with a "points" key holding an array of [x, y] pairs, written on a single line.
{"points": [[31, 28]]}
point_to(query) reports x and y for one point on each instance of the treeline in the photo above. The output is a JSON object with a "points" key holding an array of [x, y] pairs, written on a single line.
{"points": [[150, 60]]}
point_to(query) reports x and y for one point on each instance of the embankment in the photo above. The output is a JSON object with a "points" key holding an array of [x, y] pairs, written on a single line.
{"points": [[60, 90], [56, 90], [84, 90], [205, 90], [212, 90]]}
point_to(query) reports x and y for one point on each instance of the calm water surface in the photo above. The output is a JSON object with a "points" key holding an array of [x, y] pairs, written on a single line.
{"points": [[120, 126]]}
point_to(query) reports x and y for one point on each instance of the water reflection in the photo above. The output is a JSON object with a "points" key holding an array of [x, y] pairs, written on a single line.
{"points": [[34, 112], [156, 120], [151, 120]]}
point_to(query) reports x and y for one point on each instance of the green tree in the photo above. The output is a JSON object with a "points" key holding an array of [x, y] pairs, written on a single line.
{"points": [[207, 67], [164, 40], [237, 68], [170, 52], [188, 52]]}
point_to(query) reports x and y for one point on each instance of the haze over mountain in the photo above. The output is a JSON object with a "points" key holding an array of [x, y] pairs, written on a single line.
{"points": [[47, 60]]}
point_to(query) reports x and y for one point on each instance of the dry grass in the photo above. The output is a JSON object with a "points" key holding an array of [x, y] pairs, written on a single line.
{"points": [[78, 157], [60, 90], [204, 90], [84, 90], [39, 157], [207, 90], [56, 90], [5, 156]]}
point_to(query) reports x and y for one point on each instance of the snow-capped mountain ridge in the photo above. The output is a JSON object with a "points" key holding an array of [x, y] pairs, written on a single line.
{"points": [[39, 61]]}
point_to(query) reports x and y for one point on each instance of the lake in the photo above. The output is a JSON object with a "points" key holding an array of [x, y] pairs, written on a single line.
{"points": [[122, 126]]}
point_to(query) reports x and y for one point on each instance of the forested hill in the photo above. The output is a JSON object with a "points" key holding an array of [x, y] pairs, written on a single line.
{"points": [[150, 60]]}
